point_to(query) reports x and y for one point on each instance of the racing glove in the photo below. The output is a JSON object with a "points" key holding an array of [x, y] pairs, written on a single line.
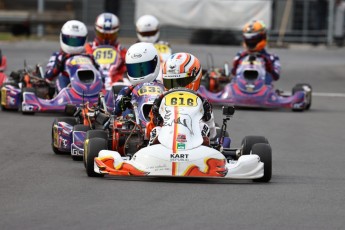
{"points": [[268, 64], [125, 102], [207, 110], [157, 118]]}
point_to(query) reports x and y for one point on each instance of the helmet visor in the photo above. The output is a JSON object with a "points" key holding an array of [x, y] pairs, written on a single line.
{"points": [[106, 37], [177, 82], [251, 40], [74, 41], [138, 70], [148, 33]]}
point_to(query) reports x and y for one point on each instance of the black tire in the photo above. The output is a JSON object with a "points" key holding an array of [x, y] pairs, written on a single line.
{"points": [[249, 141], [97, 133], [83, 128], [91, 150], [3, 85], [31, 90], [300, 87], [264, 151], [68, 120]]}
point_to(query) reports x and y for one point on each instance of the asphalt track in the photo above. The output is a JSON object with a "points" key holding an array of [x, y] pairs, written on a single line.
{"points": [[40, 190]]}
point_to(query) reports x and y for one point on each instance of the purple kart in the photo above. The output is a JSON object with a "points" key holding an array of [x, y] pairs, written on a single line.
{"points": [[249, 89], [85, 85]]}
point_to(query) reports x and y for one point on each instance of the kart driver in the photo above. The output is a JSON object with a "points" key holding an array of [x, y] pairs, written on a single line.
{"points": [[73, 37], [254, 41], [107, 27], [142, 62], [182, 70]]}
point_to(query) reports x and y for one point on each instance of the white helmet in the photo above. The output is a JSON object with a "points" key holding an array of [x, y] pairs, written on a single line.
{"points": [[148, 29], [107, 28], [73, 37], [142, 62]]}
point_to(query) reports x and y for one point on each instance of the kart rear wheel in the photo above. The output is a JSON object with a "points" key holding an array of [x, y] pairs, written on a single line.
{"points": [[304, 87], [264, 151], [68, 120], [249, 141], [31, 90], [91, 149], [82, 128]]}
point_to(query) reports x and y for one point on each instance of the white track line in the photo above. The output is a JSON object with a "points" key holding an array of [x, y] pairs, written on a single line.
{"points": [[328, 94]]}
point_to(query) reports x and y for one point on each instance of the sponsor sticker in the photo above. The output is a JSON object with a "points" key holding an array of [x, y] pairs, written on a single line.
{"points": [[179, 157], [181, 146]]}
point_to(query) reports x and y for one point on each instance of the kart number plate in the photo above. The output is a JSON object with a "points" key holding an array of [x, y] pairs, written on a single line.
{"points": [[149, 90], [105, 56], [79, 60], [162, 48], [181, 99]]}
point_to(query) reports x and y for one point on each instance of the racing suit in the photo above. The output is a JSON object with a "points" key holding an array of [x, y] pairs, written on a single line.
{"points": [[272, 64], [56, 68], [117, 73], [208, 117]]}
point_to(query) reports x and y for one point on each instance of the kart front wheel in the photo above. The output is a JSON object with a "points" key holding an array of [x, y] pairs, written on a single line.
{"points": [[249, 141], [264, 151], [55, 136], [91, 149], [79, 128], [304, 87]]}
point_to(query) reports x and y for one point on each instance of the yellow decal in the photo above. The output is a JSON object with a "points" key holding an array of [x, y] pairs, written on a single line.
{"points": [[80, 60], [162, 48], [150, 90], [181, 99], [3, 96], [55, 136], [104, 56]]}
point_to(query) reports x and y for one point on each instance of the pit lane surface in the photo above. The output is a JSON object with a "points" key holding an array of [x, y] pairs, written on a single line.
{"points": [[40, 190]]}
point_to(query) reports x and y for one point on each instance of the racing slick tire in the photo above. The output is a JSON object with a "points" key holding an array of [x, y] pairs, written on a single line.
{"points": [[83, 128], [3, 108], [264, 151], [249, 141], [68, 120], [306, 88], [92, 134], [91, 149], [31, 90]]}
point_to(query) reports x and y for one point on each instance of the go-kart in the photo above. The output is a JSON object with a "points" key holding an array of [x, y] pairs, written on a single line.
{"points": [[85, 85], [125, 134], [25, 80], [249, 89], [68, 133], [181, 150]]}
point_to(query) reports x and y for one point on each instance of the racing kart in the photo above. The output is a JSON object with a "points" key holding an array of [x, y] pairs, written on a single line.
{"points": [[25, 80], [249, 89], [109, 61], [125, 134], [68, 133], [86, 84], [181, 150]]}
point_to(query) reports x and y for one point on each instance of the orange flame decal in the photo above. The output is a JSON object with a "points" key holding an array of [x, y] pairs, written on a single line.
{"points": [[215, 168], [106, 165]]}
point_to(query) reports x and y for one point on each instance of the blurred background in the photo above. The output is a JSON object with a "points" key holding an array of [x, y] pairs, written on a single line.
{"points": [[186, 21]]}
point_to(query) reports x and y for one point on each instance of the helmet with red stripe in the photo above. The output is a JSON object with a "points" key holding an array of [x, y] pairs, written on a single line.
{"points": [[182, 70], [107, 28]]}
